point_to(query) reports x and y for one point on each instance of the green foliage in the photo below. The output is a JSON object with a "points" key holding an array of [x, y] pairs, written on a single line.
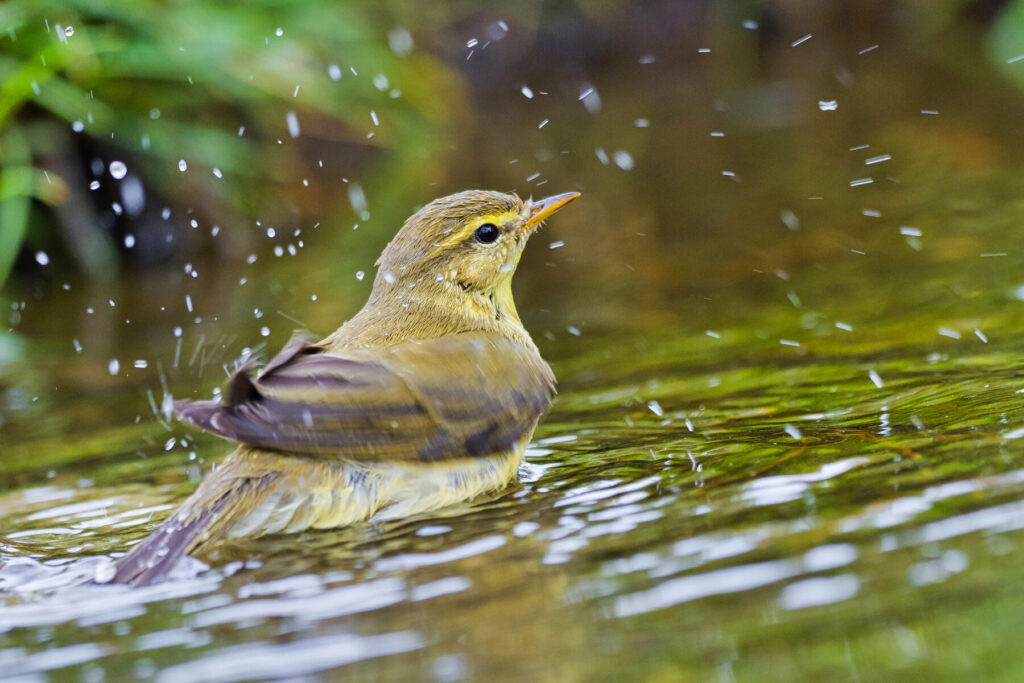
{"points": [[154, 82]]}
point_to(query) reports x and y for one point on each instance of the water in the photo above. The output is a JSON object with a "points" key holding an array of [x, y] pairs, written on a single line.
{"points": [[787, 442]]}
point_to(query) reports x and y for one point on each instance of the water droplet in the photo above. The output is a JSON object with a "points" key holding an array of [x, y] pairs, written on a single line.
{"points": [[118, 170], [42, 258], [591, 100], [182, 166], [334, 71], [293, 124], [264, 331], [357, 198], [789, 219], [828, 105], [114, 366], [132, 194], [400, 41], [129, 241], [77, 126], [360, 275], [527, 93], [69, 31], [623, 160]]}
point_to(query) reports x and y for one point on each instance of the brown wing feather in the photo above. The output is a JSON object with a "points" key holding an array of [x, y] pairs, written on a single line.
{"points": [[466, 395]]}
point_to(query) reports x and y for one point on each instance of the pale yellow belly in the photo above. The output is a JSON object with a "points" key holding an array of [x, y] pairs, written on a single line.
{"points": [[334, 494]]}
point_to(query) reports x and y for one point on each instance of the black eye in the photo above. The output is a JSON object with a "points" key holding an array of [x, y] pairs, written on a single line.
{"points": [[487, 233]]}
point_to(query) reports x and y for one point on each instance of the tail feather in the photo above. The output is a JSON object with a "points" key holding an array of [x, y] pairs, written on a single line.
{"points": [[200, 522]]}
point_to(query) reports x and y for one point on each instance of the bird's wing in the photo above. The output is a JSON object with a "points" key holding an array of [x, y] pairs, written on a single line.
{"points": [[466, 395]]}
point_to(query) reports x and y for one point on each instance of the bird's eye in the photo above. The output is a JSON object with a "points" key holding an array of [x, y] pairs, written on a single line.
{"points": [[487, 233]]}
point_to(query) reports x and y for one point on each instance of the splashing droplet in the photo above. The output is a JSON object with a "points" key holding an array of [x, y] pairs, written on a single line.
{"points": [[623, 160]]}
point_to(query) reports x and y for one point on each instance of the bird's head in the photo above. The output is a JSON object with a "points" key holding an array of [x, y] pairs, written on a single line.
{"points": [[465, 246]]}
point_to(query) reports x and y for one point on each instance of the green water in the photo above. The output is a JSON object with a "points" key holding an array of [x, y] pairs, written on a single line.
{"points": [[776, 454]]}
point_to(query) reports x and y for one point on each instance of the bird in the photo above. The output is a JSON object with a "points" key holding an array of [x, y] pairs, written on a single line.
{"points": [[424, 399]]}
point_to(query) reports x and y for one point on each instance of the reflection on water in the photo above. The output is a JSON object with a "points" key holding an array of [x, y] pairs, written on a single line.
{"points": [[786, 443]]}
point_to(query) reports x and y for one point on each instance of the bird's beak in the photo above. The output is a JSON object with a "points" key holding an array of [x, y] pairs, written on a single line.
{"points": [[540, 210]]}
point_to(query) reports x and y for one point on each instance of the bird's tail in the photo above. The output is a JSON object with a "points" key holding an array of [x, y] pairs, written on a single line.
{"points": [[222, 500]]}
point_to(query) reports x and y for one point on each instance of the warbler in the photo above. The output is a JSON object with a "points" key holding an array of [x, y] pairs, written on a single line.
{"points": [[427, 397]]}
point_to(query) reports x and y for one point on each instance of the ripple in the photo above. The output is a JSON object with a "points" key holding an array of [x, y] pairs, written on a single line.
{"points": [[819, 591], [413, 560], [335, 602], [783, 488], [693, 587], [288, 660]]}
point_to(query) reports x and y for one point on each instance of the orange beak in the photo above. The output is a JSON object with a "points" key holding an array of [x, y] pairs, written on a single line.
{"points": [[540, 210]]}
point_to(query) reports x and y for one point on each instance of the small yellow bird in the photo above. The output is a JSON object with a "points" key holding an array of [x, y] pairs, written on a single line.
{"points": [[426, 398]]}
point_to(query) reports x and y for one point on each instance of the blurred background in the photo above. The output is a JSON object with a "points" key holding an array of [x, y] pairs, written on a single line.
{"points": [[140, 138], [779, 197]]}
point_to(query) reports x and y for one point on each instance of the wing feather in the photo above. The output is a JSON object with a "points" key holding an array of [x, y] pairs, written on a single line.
{"points": [[468, 395]]}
